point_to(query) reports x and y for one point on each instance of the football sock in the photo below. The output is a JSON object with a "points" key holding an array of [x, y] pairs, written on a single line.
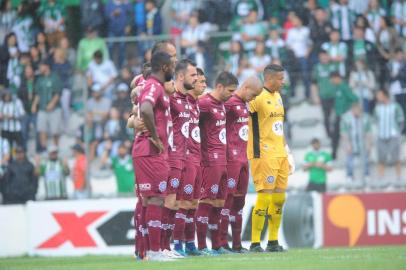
{"points": [[236, 220], [190, 226], [214, 227], [258, 216], [145, 235], [202, 222], [153, 217], [165, 226], [180, 223], [169, 231], [139, 241], [275, 215], [225, 220]]}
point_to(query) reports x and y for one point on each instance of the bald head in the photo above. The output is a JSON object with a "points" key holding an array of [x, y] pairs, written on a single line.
{"points": [[250, 88]]}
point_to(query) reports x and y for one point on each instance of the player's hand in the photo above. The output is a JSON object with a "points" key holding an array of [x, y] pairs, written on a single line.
{"points": [[139, 125], [158, 144], [291, 161]]}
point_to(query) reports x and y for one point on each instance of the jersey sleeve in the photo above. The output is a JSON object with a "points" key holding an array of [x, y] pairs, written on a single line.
{"points": [[152, 94], [253, 105]]}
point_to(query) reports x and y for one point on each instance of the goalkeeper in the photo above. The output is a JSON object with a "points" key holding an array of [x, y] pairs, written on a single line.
{"points": [[270, 159]]}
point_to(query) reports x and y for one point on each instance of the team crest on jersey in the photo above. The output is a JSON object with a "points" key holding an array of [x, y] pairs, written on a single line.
{"points": [[231, 183], [188, 189], [270, 179], [214, 189], [174, 182], [162, 186]]}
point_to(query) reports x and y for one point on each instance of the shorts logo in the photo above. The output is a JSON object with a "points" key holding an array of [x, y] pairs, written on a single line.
{"points": [[144, 187], [270, 179], [162, 186], [214, 189], [175, 182], [188, 189], [231, 183]]}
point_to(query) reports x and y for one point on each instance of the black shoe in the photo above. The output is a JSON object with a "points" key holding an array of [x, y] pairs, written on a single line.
{"points": [[240, 250], [273, 246], [256, 248], [226, 246]]}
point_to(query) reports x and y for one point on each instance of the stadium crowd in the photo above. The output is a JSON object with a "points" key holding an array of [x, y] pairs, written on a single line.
{"points": [[349, 56]]}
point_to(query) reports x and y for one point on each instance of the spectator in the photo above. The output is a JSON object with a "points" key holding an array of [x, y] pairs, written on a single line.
{"points": [[11, 63], [123, 169], [362, 22], [398, 13], [26, 95], [390, 122], [98, 108], [139, 16], [70, 53], [23, 28], [153, 23], [259, 60], [242, 9], [362, 81], [374, 15], [180, 11], [288, 24], [342, 18], [123, 103], [92, 15], [320, 29], [8, 16], [337, 51], [397, 70], [47, 89], [11, 113], [325, 90], [236, 54], [20, 182], [102, 71], [5, 154], [318, 163], [54, 172], [252, 31], [126, 74], [357, 140], [42, 44], [245, 70], [361, 49], [87, 47], [52, 14], [118, 14], [191, 35], [344, 97], [298, 40], [114, 134], [276, 46], [35, 59], [79, 173]]}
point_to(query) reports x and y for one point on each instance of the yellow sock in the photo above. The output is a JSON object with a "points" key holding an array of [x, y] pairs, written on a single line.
{"points": [[258, 216], [275, 215]]}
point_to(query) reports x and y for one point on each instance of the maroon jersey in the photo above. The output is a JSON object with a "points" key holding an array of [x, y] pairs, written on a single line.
{"points": [[193, 143], [213, 131], [237, 129], [154, 93], [180, 120]]}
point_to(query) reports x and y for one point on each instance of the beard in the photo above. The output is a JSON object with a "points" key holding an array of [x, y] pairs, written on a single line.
{"points": [[188, 86], [168, 77]]}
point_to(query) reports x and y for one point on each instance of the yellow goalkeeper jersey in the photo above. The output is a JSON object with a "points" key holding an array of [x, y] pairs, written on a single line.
{"points": [[265, 136]]}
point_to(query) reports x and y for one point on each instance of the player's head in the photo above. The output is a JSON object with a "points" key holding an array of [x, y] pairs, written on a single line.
{"points": [[250, 88], [200, 84], [169, 87], [274, 77], [315, 144], [225, 85], [186, 74], [161, 63], [165, 46], [146, 70]]}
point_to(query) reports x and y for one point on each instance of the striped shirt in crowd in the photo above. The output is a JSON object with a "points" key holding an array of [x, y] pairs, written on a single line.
{"points": [[390, 120], [10, 115]]}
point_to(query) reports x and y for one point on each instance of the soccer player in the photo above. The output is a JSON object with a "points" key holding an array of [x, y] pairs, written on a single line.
{"points": [[185, 79], [212, 124], [189, 190], [151, 149], [268, 154], [237, 162]]}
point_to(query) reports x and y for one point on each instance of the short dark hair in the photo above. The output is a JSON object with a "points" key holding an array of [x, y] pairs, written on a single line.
{"points": [[315, 140], [146, 70], [158, 60], [384, 92], [160, 46], [273, 68], [182, 65], [335, 74], [200, 71], [226, 78], [98, 54]]}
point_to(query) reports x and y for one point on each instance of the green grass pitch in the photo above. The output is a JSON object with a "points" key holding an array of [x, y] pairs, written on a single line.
{"points": [[386, 258]]}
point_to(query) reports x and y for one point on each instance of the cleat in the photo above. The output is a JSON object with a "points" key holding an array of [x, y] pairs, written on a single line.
{"points": [[241, 250], [208, 252], [227, 247], [193, 251], [274, 248], [223, 251], [180, 252], [256, 248], [158, 256], [172, 254]]}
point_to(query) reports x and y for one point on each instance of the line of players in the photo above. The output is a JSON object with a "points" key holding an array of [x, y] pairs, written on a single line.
{"points": [[189, 157]]}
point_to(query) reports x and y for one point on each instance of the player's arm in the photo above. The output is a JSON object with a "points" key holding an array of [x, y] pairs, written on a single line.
{"points": [[147, 115], [291, 160]]}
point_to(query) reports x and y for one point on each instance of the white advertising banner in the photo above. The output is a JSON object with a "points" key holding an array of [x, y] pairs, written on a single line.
{"points": [[13, 230]]}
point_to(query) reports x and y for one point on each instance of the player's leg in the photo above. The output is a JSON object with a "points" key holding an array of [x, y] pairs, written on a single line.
{"points": [[262, 173], [237, 208], [276, 206]]}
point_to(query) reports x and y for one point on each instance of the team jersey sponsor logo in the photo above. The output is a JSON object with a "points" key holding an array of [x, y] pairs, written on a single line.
{"points": [[144, 187], [188, 189], [220, 123], [162, 186], [243, 133], [231, 183], [185, 129], [196, 134], [184, 115], [223, 136], [194, 121], [277, 128], [274, 114], [174, 182], [242, 120]]}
